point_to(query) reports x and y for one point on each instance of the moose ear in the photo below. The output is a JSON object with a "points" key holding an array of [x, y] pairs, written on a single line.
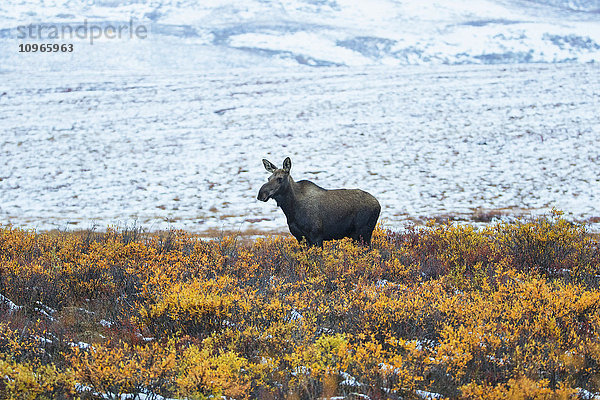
{"points": [[287, 164], [269, 166]]}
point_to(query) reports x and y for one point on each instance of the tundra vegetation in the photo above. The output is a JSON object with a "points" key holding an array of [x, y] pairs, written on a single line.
{"points": [[507, 311]]}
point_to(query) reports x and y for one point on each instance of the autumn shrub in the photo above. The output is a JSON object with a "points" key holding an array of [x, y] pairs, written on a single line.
{"points": [[121, 369], [198, 307], [26, 371], [203, 375], [518, 389], [525, 327], [506, 311], [166, 369], [549, 245], [34, 381], [461, 251]]}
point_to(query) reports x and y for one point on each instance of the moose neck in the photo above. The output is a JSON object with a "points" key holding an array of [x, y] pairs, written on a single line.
{"points": [[287, 200]]}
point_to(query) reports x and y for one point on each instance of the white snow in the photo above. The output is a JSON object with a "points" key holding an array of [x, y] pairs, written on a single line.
{"points": [[587, 395], [12, 307], [428, 395], [81, 345], [349, 380], [295, 316], [114, 149], [169, 130]]}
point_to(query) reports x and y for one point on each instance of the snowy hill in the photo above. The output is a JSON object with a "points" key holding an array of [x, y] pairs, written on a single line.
{"points": [[188, 35]]}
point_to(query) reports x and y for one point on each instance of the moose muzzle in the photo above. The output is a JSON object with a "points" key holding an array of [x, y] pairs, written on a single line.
{"points": [[263, 194]]}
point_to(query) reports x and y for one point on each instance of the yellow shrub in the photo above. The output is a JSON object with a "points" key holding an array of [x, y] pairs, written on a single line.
{"points": [[125, 369], [444, 308], [517, 389], [202, 375], [34, 381], [196, 307]]}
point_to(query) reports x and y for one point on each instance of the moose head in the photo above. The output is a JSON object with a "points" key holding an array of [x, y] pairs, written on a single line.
{"points": [[279, 181]]}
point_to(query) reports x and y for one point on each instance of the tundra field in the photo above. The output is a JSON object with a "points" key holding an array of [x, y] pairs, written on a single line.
{"points": [[495, 307], [507, 311], [184, 150], [136, 262]]}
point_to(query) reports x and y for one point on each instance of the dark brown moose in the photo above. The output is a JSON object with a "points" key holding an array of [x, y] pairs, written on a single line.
{"points": [[318, 214]]}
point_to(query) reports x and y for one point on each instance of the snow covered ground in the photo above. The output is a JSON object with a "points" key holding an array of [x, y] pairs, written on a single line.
{"points": [[170, 130], [185, 149]]}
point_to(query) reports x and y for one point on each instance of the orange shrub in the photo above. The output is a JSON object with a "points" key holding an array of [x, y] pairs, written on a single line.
{"points": [[507, 311]]}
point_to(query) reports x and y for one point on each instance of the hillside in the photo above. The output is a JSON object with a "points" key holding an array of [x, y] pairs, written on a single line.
{"points": [[224, 34]]}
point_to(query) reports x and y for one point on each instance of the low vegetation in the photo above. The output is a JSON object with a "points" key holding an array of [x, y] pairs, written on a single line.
{"points": [[510, 311]]}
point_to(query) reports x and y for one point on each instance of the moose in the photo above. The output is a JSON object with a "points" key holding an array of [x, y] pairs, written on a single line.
{"points": [[318, 214]]}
